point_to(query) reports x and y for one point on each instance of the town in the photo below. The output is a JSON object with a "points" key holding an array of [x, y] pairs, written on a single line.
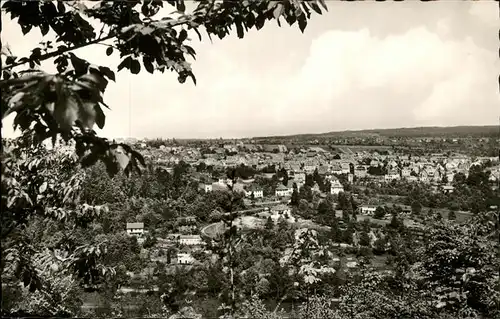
{"points": [[353, 195]]}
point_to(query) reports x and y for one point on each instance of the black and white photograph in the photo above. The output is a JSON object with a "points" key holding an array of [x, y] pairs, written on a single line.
{"points": [[250, 159]]}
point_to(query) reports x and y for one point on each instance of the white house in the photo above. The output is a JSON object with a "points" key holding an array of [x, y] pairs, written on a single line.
{"points": [[184, 258], [283, 191], [406, 172], [225, 182], [337, 169], [360, 171], [336, 187], [257, 192], [413, 179], [346, 168], [135, 229], [282, 211], [448, 189], [424, 176], [299, 176], [367, 210], [207, 188], [392, 175], [190, 240]]}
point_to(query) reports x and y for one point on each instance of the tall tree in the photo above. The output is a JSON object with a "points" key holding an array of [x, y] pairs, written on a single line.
{"points": [[416, 208], [452, 215], [309, 180], [295, 196]]}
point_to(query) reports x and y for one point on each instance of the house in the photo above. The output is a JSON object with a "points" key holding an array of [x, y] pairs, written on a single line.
{"points": [[392, 175], [299, 176], [337, 169], [322, 170], [412, 179], [367, 210], [219, 187], [282, 211], [374, 163], [433, 174], [186, 220], [207, 187], [256, 191], [187, 228], [346, 168], [405, 209], [135, 229], [283, 191], [360, 171], [185, 259], [424, 176], [190, 240], [225, 181], [336, 187], [350, 178], [405, 172], [447, 189], [309, 167], [315, 188], [392, 164], [351, 262], [450, 176]]}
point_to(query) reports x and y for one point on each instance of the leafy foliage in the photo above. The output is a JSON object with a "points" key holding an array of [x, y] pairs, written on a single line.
{"points": [[41, 186]]}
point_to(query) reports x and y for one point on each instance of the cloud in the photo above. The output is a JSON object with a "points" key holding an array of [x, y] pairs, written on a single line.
{"points": [[482, 10], [424, 79]]}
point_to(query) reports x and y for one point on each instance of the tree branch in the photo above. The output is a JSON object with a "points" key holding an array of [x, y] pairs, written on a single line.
{"points": [[55, 53]]}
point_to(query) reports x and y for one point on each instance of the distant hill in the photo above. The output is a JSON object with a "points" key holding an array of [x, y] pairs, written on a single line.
{"points": [[430, 131]]}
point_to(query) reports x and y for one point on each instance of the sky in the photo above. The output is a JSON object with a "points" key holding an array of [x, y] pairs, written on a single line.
{"points": [[362, 65]]}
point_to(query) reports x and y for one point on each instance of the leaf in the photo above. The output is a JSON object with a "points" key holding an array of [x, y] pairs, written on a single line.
{"points": [[44, 28], [95, 79], [315, 7], [239, 29], [125, 63], [26, 28], [146, 30], [180, 5], [42, 188], [183, 35], [80, 65], [259, 22], [278, 10], [302, 22], [147, 64], [107, 72], [100, 118], [87, 114], [121, 157], [60, 7], [323, 4], [197, 32], [87, 160], [65, 110], [135, 67], [109, 51]]}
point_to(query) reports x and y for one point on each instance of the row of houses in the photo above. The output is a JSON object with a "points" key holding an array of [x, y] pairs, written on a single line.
{"points": [[137, 230]]}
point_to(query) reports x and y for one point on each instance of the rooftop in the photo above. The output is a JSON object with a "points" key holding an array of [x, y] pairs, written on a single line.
{"points": [[135, 225]]}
